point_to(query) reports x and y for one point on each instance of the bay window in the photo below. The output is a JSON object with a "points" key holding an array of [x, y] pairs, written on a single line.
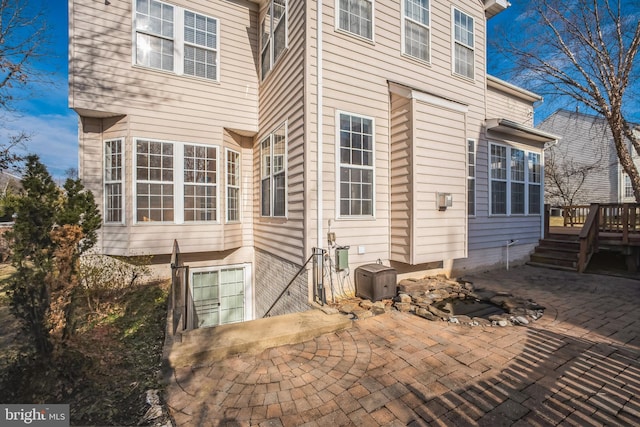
{"points": [[175, 182], [516, 181], [113, 182]]}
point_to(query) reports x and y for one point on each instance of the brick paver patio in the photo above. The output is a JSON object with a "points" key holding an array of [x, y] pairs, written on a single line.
{"points": [[578, 365]]}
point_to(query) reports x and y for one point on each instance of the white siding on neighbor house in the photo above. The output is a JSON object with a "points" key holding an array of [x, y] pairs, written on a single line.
{"points": [[282, 100], [586, 140], [356, 80]]}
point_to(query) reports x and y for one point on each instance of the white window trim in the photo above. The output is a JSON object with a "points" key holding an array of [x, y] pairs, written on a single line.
{"points": [[284, 126], [453, 44], [509, 181], [121, 181], [228, 186], [403, 31], [178, 182], [338, 165], [272, 59], [178, 43], [474, 177], [248, 280], [358, 36], [182, 182]]}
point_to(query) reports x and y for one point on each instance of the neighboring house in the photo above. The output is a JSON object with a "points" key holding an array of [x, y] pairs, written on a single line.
{"points": [[587, 145], [198, 124]]}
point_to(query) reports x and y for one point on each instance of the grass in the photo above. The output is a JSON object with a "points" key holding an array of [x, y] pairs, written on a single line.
{"points": [[105, 371]]}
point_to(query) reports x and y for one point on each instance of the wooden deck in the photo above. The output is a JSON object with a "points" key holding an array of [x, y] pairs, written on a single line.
{"points": [[598, 226]]}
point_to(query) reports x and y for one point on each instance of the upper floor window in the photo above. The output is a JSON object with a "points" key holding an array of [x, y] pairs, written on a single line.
{"points": [[356, 17], [356, 165], [274, 34], [471, 177], [273, 173], [113, 182], [174, 39], [515, 181], [175, 182], [463, 44], [233, 186], [416, 29]]}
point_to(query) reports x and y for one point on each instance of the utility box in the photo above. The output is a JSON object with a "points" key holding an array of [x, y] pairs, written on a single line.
{"points": [[342, 258], [376, 282]]}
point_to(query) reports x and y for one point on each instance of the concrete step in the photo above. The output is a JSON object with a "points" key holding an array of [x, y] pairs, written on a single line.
{"points": [[201, 347]]}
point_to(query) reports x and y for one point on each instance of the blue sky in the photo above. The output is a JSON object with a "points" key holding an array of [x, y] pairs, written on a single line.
{"points": [[45, 114]]}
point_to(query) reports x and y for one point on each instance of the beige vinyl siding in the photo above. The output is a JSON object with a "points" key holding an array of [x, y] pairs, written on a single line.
{"points": [[439, 163], [282, 100], [401, 178], [356, 76], [504, 105], [102, 77]]}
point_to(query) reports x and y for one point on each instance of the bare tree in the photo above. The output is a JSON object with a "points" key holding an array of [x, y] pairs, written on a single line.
{"points": [[23, 42], [584, 50], [565, 177]]}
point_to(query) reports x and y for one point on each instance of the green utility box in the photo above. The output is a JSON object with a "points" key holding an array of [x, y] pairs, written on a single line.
{"points": [[342, 258]]}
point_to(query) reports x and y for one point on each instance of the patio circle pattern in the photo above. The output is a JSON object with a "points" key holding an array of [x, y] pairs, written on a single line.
{"points": [[578, 365]]}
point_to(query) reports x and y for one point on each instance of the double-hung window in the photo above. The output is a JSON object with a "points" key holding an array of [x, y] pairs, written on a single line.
{"points": [[113, 186], [274, 34], [356, 151], [416, 29], [200, 182], [154, 181], [356, 17], [233, 186], [175, 182], [471, 177], [628, 188], [273, 174], [171, 38], [516, 181], [463, 44], [535, 183]]}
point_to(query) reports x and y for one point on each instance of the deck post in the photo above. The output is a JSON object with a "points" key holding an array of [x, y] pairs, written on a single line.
{"points": [[547, 214]]}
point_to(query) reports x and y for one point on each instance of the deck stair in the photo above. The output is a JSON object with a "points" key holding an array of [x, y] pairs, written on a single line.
{"points": [[558, 251]]}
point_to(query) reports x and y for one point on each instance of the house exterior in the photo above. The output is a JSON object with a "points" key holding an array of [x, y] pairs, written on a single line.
{"points": [[587, 144], [210, 124]]}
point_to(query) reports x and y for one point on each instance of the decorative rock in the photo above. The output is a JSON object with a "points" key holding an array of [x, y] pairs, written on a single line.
{"points": [[366, 304], [402, 306], [363, 314], [503, 322], [521, 320], [454, 320], [405, 298], [426, 314], [347, 308]]}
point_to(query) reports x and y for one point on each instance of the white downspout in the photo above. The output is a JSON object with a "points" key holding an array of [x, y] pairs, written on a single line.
{"points": [[320, 239]]}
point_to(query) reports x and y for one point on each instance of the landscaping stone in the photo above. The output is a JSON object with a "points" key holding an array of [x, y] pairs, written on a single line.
{"points": [[420, 296]]}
